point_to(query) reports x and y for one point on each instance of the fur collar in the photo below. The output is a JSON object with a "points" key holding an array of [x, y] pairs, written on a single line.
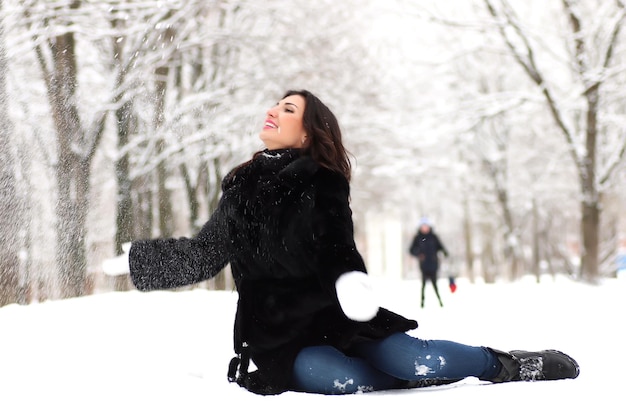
{"points": [[299, 170], [288, 164]]}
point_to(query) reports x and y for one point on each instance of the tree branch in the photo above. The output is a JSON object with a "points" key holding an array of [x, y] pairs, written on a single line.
{"points": [[615, 163], [534, 73]]}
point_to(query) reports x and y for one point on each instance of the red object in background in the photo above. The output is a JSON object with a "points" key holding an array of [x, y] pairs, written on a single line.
{"points": [[452, 284]]}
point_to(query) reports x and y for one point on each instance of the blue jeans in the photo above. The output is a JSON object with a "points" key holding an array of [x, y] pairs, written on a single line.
{"points": [[389, 363]]}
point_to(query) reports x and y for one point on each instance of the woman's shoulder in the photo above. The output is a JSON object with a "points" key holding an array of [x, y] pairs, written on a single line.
{"points": [[332, 180], [300, 169], [306, 170]]}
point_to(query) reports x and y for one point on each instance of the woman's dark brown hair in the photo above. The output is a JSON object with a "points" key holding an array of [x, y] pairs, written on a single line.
{"points": [[324, 143]]}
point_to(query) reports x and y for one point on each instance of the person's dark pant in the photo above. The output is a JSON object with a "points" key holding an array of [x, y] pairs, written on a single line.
{"points": [[389, 363], [432, 278]]}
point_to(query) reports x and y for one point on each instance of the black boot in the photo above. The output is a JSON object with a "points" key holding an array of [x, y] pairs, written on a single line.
{"points": [[545, 365]]}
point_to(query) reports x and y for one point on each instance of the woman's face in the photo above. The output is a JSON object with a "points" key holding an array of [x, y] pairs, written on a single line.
{"points": [[283, 126]]}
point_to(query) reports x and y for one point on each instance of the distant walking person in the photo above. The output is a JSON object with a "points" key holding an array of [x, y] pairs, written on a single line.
{"points": [[426, 247]]}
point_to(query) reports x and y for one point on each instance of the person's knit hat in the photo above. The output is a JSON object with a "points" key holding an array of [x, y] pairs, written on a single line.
{"points": [[425, 220]]}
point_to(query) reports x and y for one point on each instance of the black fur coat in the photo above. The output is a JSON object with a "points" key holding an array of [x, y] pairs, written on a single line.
{"points": [[285, 226]]}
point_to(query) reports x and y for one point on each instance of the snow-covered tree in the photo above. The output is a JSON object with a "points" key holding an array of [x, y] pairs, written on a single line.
{"points": [[559, 68], [577, 86], [10, 207]]}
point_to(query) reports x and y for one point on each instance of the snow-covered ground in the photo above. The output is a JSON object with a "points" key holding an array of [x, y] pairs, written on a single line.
{"points": [[166, 354]]}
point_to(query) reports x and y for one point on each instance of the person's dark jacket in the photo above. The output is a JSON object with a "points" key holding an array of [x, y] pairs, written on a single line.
{"points": [[425, 247], [285, 226]]}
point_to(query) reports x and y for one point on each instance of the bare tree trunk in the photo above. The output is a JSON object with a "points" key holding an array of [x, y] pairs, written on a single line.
{"points": [[469, 247], [191, 187], [143, 209], [590, 205], [511, 241], [192, 196], [498, 174], [548, 253], [10, 211], [166, 227], [214, 197], [28, 283], [124, 212], [75, 149], [535, 242], [487, 254]]}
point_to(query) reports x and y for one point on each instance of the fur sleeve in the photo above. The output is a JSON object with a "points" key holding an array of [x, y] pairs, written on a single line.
{"points": [[169, 263], [333, 229]]}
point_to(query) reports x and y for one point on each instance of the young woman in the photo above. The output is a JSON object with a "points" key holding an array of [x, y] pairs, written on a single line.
{"points": [[305, 314]]}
